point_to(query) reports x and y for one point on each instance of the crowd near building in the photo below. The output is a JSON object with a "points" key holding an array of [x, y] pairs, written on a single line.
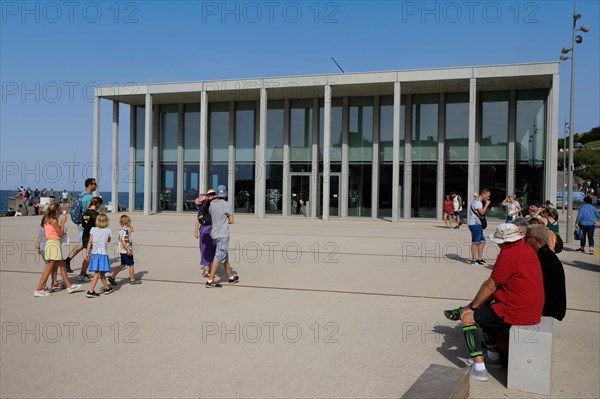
{"points": [[375, 145]]}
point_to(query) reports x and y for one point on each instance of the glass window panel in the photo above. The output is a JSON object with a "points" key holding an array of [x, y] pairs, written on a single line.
{"points": [[457, 127], [274, 179], [493, 177], [385, 190], [168, 183], [218, 132], [425, 127], [301, 130], [169, 135], [191, 139], [456, 179], [275, 130], [244, 187], [336, 129], [360, 128], [217, 174], [386, 128], [531, 126], [140, 131], [424, 188], [139, 186], [494, 126], [245, 131], [191, 177], [359, 190], [529, 183]]}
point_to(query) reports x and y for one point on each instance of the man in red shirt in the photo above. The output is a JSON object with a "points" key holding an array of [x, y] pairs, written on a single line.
{"points": [[513, 295]]}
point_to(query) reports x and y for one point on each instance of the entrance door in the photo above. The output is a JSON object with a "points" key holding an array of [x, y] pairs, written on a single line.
{"points": [[300, 193], [334, 194]]}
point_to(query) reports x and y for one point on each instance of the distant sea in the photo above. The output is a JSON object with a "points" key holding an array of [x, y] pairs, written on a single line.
{"points": [[106, 196]]}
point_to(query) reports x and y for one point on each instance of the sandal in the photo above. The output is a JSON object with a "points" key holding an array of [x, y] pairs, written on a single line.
{"points": [[135, 282]]}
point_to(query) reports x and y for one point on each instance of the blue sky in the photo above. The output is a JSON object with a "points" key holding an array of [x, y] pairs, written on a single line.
{"points": [[52, 54]]}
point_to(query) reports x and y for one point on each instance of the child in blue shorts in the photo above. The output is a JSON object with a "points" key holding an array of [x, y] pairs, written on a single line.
{"points": [[126, 251]]}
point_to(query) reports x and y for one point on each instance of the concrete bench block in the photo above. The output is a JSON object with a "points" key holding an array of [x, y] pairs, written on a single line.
{"points": [[530, 357], [440, 382]]}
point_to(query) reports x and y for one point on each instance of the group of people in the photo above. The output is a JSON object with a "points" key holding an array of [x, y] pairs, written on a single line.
{"points": [[34, 196], [453, 204], [215, 214], [94, 236]]}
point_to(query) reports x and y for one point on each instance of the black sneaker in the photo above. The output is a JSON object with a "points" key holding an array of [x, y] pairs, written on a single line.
{"points": [[579, 250], [92, 294], [108, 290], [68, 263], [213, 284], [453, 314], [234, 279], [480, 262]]}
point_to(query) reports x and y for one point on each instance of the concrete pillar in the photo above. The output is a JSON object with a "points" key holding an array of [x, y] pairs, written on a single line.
{"points": [[408, 158], [314, 175], [155, 165], [203, 170], [115, 159], [148, 154], [473, 170], [551, 152], [231, 160], [326, 151], [132, 155], [261, 148], [375, 161], [96, 141], [180, 134], [286, 194], [511, 149], [344, 189], [396, 155], [441, 156]]}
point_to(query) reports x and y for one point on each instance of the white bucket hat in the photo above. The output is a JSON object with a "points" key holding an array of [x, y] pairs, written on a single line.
{"points": [[506, 232]]}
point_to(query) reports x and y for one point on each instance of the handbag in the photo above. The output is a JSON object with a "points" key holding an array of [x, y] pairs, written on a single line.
{"points": [[558, 245], [578, 233], [482, 219]]}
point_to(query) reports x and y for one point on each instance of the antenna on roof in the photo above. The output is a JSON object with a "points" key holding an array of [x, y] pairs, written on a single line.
{"points": [[338, 65]]}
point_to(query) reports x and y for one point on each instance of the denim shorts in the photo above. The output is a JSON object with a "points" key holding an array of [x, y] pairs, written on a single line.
{"points": [[477, 235], [222, 249]]}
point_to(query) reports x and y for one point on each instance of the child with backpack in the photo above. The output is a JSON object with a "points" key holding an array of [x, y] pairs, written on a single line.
{"points": [[97, 255], [126, 251]]}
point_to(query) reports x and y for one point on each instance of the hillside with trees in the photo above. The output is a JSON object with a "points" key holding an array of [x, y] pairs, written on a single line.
{"points": [[586, 156]]}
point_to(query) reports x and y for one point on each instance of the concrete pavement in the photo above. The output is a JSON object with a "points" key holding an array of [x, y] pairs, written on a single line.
{"points": [[344, 308]]}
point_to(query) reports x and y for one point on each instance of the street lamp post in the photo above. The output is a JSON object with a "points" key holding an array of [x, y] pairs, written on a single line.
{"points": [[576, 39], [564, 181]]}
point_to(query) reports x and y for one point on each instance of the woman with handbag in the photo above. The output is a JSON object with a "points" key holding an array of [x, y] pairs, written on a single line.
{"points": [[586, 221]]}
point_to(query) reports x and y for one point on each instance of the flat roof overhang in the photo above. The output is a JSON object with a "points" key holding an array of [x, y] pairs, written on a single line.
{"points": [[489, 78]]}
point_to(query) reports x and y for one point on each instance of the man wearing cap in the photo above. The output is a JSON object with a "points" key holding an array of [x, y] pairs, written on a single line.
{"points": [[513, 295], [221, 214]]}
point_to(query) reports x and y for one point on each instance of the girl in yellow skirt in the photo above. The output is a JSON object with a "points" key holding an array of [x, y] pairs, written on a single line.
{"points": [[53, 231]]}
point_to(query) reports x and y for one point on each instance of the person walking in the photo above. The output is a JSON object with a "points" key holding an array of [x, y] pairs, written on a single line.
{"points": [[479, 206], [221, 214], [97, 255], [457, 203], [448, 212], [586, 221], [126, 252], [202, 231], [84, 197]]}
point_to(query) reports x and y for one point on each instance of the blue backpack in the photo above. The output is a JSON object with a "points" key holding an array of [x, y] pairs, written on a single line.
{"points": [[77, 208]]}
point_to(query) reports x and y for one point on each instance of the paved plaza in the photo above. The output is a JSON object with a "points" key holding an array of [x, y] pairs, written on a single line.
{"points": [[344, 308]]}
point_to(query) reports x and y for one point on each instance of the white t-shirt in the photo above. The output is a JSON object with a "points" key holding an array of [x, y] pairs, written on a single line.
{"points": [[510, 208], [100, 240], [473, 219], [456, 202]]}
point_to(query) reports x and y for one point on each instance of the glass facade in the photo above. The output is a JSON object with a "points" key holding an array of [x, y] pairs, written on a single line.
{"points": [[335, 153], [301, 114], [191, 179], [493, 131], [168, 183], [191, 133], [140, 129], [245, 142], [275, 131], [456, 155], [424, 139], [218, 133], [274, 180]]}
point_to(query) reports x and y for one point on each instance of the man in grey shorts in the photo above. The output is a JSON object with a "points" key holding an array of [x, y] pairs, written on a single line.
{"points": [[221, 214]]}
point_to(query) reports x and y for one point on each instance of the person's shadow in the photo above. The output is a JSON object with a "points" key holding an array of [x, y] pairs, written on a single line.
{"points": [[453, 345]]}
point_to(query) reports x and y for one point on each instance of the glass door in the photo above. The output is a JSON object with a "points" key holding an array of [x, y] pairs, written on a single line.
{"points": [[334, 194], [300, 193]]}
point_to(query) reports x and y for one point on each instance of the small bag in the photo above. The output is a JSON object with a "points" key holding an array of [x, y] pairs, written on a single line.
{"points": [[578, 234], [558, 245], [482, 219]]}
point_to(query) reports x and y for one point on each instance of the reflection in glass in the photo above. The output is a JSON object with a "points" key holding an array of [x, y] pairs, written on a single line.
{"points": [[140, 131], [275, 130], [169, 132], [139, 186], [386, 128], [168, 183], [493, 130], [359, 190], [274, 180], [424, 188], [217, 174], [191, 177], [336, 129], [191, 138], [457, 127], [425, 127], [244, 187], [245, 123], [385, 190], [493, 177], [531, 126], [218, 132], [360, 129], [301, 130]]}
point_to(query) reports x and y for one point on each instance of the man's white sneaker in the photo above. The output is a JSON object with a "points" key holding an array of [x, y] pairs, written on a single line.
{"points": [[481, 375], [41, 293], [494, 364], [74, 288]]}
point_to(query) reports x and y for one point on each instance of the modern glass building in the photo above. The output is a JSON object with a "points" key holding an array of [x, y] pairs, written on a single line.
{"points": [[374, 145]]}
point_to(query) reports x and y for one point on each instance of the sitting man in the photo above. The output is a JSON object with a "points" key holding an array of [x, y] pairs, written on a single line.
{"points": [[513, 295], [553, 273]]}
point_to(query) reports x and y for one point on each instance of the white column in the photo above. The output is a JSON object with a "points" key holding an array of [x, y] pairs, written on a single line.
{"points": [[551, 152], [511, 151], [441, 156], [115, 158], [343, 200], [285, 200], [231, 162], [326, 151], [96, 141], [473, 172], [396, 155], [375, 163], [180, 127], [314, 175], [155, 166], [148, 154], [203, 171], [408, 158], [132, 155], [261, 166]]}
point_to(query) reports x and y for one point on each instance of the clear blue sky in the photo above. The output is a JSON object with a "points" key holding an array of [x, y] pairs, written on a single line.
{"points": [[52, 54]]}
